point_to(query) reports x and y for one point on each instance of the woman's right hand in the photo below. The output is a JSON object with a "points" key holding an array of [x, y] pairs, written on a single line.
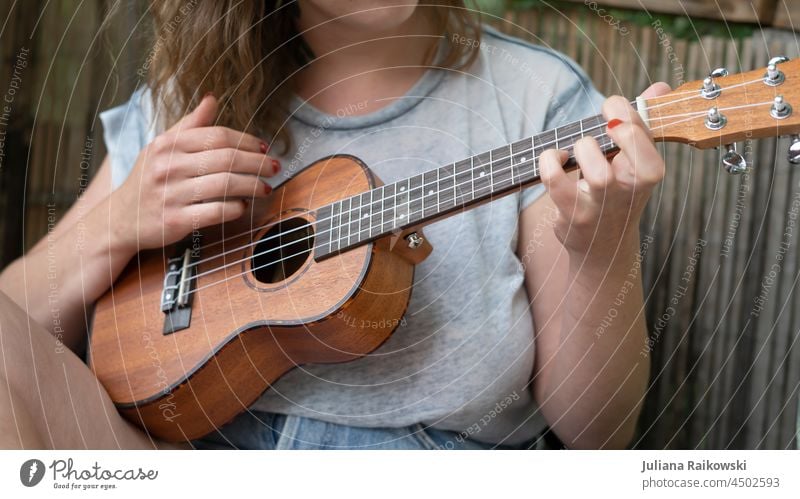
{"points": [[194, 175]]}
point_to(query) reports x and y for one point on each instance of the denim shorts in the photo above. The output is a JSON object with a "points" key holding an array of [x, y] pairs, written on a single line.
{"points": [[263, 430]]}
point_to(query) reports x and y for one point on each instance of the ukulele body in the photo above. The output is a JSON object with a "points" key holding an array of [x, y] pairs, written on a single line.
{"points": [[250, 322]]}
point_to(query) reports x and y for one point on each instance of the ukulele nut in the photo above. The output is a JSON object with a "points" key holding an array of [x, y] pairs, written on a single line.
{"points": [[715, 120], [414, 240], [780, 108]]}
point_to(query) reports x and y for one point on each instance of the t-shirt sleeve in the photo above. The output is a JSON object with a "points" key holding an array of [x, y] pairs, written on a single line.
{"points": [[127, 128], [577, 98]]}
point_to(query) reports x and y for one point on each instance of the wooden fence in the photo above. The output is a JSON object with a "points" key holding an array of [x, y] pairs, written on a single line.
{"points": [[721, 302], [778, 13]]}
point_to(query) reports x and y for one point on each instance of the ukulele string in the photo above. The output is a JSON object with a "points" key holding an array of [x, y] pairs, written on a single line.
{"points": [[524, 163], [472, 169], [646, 108], [530, 162], [695, 95], [274, 262]]}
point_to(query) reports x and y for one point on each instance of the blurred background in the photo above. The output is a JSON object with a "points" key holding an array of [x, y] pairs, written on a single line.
{"points": [[726, 364]]}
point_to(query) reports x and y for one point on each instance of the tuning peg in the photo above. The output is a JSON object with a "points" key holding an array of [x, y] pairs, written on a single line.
{"points": [[778, 59], [710, 89], [774, 76], [794, 150], [780, 108], [733, 162], [719, 73], [715, 120]]}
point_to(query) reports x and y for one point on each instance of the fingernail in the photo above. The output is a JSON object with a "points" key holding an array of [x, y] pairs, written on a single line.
{"points": [[276, 165], [614, 123], [263, 147], [267, 188], [207, 94]]}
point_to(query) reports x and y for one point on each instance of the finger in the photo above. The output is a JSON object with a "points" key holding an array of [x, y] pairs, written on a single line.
{"points": [[218, 137], [207, 214], [561, 188], [618, 108], [223, 186], [203, 115], [656, 90], [229, 160], [594, 166], [640, 152], [624, 172]]}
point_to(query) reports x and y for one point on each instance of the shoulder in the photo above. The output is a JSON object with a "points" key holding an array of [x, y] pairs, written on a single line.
{"points": [[517, 63]]}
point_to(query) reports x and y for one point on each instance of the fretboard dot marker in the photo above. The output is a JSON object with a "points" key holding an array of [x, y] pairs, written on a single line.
{"points": [[482, 173], [402, 188], [431, 192]]}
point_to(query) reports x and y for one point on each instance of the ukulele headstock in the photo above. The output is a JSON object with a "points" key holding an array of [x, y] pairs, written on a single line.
{"points": [[723, 109]]}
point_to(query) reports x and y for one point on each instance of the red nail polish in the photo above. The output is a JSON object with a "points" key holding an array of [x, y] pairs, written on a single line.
{"points": [[276, 165], [267, 188], [263, 147], [614, 123], [207, 94]]}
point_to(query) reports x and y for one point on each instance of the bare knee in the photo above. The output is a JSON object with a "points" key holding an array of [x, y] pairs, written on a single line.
{"points": [[17, 429]]}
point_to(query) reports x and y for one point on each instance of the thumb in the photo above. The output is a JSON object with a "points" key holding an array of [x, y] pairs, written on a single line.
{"points": [[203, 115]]}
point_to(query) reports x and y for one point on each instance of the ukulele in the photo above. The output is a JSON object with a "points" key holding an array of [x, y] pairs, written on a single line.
{"points": [[192, 334]]}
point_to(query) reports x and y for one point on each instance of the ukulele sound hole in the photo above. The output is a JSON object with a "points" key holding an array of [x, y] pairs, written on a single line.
{"points": [[282, 250]]}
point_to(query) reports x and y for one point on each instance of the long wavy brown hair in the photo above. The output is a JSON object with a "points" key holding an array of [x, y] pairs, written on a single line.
{"points": [[246, 51]]}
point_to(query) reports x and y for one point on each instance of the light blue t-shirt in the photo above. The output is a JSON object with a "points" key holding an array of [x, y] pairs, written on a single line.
{"points": [[463, 357]]}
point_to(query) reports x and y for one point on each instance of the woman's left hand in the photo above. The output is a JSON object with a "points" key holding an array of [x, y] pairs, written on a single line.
{"points": [[603, 207]]}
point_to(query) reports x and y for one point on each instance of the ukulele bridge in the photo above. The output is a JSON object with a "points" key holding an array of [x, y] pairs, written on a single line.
{"points": [[178, 291]]}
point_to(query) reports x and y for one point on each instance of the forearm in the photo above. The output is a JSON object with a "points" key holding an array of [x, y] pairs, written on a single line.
{"points": [[599, 373], [61, 278]]}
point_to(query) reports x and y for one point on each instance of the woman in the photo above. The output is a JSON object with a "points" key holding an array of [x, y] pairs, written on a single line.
{"points": [[501, 338]]}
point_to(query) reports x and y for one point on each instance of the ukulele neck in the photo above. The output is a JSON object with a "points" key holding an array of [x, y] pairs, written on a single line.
{"points": [[435, 194]]}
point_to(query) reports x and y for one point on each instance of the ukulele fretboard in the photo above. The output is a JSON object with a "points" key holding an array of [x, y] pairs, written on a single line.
{"points": [[431, 195]]}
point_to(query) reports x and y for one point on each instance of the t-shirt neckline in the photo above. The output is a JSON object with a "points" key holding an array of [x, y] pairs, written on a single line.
{"points": [[305, 112]]}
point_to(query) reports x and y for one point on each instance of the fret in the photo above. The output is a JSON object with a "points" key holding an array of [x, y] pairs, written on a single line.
{"points": [[472, 175], [371, 210], [483, 172], [500, 152], [431, 188], [555, 133], [345, 235], [401, 204], [336, 220], [389, 207], [355, 218], [521, 152], [491, 174], [546, 141], [447, 186], [376, 219], [416, 198], [502, 170], [323, 228], [364, 207], [463, 179], [422, 195], [438, 189]]}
